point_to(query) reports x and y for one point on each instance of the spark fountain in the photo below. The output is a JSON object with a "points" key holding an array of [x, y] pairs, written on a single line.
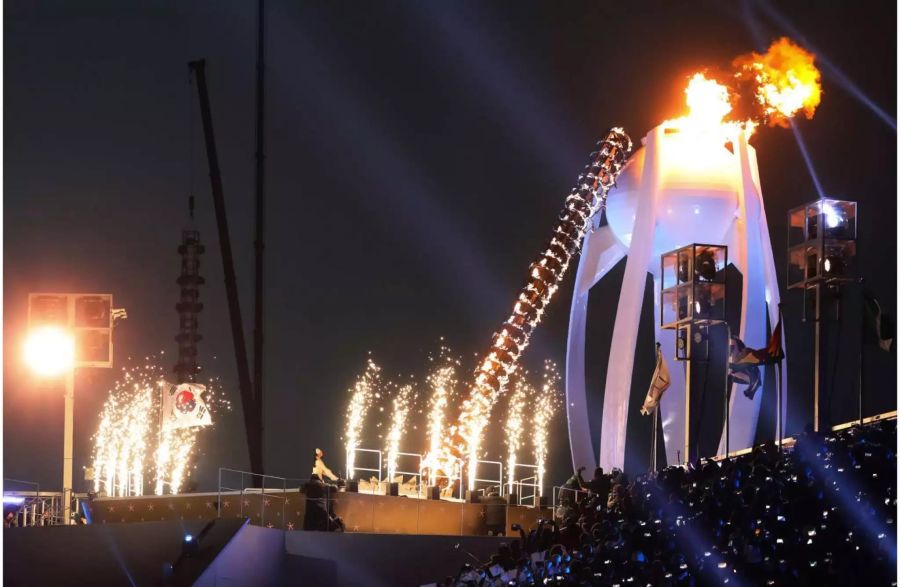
{"points": [[364, 391], [547, 403], [401, 404], [522, 393], [125, 430], [442, 382]]}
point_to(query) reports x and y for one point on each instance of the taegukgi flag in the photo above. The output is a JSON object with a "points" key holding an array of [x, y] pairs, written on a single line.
{"points": [[658, 385], [183, 406]]}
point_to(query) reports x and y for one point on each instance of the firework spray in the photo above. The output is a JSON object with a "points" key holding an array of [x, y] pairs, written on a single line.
{"points": [[364, 391], [401, 404], [442, 381], [513, 428], [547, 403]]}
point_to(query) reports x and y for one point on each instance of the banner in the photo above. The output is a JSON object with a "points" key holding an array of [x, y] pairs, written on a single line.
{"points": [[183, 406], [658, 385]]}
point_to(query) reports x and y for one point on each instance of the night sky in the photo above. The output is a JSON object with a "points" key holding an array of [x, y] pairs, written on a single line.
{"points": [[418, 153]]}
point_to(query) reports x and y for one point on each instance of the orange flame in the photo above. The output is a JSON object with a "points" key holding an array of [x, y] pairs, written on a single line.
{"points": [[709, 102], [786, 81]]}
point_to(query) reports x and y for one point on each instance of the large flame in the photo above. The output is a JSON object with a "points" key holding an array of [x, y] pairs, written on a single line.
{"points": [[786, 81], [781, 83], [709, 103]]}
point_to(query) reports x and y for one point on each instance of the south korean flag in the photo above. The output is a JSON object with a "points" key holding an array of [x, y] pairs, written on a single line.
{"points": [[184, 406]]}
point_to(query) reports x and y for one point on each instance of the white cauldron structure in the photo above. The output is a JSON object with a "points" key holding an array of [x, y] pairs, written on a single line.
{"points": [[679, 188]]}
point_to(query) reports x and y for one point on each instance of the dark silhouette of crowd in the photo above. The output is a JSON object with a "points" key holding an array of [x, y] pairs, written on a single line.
{"points": [[820, 513]]}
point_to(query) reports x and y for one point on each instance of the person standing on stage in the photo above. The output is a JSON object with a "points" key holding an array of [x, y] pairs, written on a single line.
{"points": [[320, 469]]}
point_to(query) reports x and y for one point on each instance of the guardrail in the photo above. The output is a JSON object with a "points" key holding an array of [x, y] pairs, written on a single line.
{"points": [[276, 485], [529, 483], [498, 482], [35, 507], [511, 474], [416, 474], [367, 469], [565, 496]]}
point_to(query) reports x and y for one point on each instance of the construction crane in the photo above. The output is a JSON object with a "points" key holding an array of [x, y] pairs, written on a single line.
{"points": [[249, 405]]}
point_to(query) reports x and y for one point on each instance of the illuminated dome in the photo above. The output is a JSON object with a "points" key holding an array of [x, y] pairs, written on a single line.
{"points": [[698, 194]]}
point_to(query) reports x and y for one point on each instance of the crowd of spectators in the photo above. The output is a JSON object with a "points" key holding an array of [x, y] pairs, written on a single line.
{"points": [[820, 513]]}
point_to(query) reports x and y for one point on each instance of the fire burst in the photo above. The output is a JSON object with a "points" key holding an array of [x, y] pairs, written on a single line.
{"points": [[364, 391], [522, 392], [783, 82], [786, 81], [548, 402], [401, 403]]}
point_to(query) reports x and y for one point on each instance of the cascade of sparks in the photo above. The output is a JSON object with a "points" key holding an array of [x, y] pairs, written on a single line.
{"points": [[401, 404], [546, 405], [120, 444], [442, 382], [364, 392], [172, 456], [438, 467], [129, 426], [522, 392]]}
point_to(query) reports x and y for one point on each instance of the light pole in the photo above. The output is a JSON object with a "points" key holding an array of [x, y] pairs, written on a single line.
{"points": [[67, 331], [821, 252], [692, 299]]}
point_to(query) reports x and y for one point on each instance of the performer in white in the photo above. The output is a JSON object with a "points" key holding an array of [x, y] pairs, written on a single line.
{"points": [[320, 469]]}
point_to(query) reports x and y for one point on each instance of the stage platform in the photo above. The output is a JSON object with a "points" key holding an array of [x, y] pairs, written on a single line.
{"points": [[285, 510]]}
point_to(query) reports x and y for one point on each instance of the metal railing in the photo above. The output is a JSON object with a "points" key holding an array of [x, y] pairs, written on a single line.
{"points": [[529, 483], [416, 474], [511, 475], [35, 507], [498, 482], [367, 469], [276, 486], [564, 496]]}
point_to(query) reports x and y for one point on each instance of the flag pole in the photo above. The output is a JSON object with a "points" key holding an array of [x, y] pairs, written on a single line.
{"points": [[862, 335], [162, 400], [727, 389], [779, 425], [653, 437], [779, 431]]}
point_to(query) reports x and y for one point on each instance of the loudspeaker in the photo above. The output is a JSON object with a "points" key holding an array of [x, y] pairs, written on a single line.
{"points": [[512, 498], [352, 486], [392, 489], [433, 492], [472, 497]]}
